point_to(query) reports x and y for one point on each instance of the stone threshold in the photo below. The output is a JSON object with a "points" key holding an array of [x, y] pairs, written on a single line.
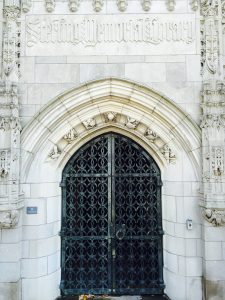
{"points": [[149, 297]]}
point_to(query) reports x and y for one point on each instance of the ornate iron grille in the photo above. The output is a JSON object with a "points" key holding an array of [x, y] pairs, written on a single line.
{"points": [[111, 220]]}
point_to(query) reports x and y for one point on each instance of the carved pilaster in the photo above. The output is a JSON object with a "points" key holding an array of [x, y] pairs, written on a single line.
{"points": [[9, 155]]}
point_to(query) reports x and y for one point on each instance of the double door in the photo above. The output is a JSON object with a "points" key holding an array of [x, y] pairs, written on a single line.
{"points": [[111, 232]]}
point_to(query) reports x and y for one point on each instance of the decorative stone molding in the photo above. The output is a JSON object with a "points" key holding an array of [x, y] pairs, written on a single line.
{"points": [[170, 5], [146, 4], [9, 218], [218, 160], [89, 123], [168, 154], [122, 5], [214, 216], [70, 136], [49, 5], [131, 123], [110, 116], [209, 8], [213, 120], [97, 5], [26, 5], [4, 163], [74, 5], [55, 153], [151, 135], [194, 4]]}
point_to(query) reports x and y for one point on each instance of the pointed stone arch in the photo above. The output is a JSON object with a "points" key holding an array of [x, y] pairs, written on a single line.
{"points": [[159, 123]]}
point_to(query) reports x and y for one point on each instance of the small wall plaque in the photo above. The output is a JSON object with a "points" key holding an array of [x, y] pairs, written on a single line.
{"points": [[32, 210]]}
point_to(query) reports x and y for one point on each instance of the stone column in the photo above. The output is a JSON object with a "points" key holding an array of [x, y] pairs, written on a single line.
{"points": [[213, 150], [10, 202]]}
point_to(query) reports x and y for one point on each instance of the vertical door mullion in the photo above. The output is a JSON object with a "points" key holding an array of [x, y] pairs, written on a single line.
{"points": [[109, 215], [113, 213]]}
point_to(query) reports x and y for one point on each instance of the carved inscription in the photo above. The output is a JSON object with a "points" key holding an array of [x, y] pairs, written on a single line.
{"points": [[86, 32]]}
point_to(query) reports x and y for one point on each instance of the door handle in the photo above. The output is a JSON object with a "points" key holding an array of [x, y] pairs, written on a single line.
{"points": [[120, 232]]}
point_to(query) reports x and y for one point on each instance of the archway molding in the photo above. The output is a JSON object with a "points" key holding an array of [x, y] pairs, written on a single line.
{"points": [[135, 110]]}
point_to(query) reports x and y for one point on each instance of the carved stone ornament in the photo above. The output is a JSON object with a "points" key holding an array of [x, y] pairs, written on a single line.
{"points": [[214, 216], [110, 116], [194, 4], [211, 47], [146, 4], [26, 5], [131, 123], [217, 160], [209, 7], [55, 153], [4, 163], [11, 12], [50, 5], [170, 5], [4, 123], [213, 120], [9, 218], [168, 154], [70, 136], [97, 5], [74, 5], [151, 135], [89, 123], [122, 5]]}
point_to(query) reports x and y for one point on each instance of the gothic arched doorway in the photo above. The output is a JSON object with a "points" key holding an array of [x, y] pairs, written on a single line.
{"points": [[111, 232]]}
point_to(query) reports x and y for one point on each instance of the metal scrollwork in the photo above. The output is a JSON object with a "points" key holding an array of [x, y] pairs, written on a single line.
{"points": [[111, 224]]}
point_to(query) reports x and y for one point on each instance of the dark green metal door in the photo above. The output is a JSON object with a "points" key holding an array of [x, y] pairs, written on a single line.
{"points": [[111, 220]]}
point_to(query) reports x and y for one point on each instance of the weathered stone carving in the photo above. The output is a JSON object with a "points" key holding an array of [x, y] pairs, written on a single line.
{"points": [[74, 5], [89, 123], [170, 5], [70, 136], [168, 154], [217, 160], [151, 135], [4, 123], [214, 216], [146, 4], [131, 123], [194, 4], [209, 7], [50, 5], [9, 218], [55, 153], [26, 5], [122, 5], [213, 120], [4, 163], [11, 40], [110, 116], [97, 5]]}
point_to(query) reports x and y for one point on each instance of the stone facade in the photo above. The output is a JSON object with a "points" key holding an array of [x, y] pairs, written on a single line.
{"points": [[151, 70]]}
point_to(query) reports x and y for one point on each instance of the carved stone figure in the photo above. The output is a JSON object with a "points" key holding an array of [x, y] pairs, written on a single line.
{"points": [[97, 5], [110, 116], [122, 5], [131, 123], [50, 5], [74, 5], [146, 4], [9, 219], [4, 163], [89, 123], [26, 5], [168, 154], [55, 153], [214, 216], [170, 5], [151, 135], [70, 136], [194, 4]]}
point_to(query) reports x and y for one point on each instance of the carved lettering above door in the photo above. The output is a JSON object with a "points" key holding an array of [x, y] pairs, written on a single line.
{"points": [[110, 34]]}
